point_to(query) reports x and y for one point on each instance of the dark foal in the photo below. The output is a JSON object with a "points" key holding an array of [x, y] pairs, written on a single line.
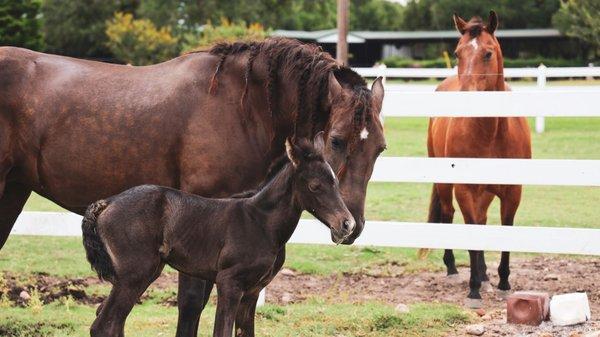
{"points": [[235, 243]]}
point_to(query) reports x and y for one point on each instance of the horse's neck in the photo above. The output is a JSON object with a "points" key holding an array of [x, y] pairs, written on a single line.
{"points": [[277, 208]]}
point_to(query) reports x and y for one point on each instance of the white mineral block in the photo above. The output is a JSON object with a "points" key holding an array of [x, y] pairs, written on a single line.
{"points": [[570, 309]]}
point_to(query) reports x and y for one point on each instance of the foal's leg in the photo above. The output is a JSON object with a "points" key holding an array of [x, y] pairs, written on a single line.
{"points": [[110, 320], [509, 203], [12, 199], [244, 320], [466, 196], [192, 296], [229, 297]]}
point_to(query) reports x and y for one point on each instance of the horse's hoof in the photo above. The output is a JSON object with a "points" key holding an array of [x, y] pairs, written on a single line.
{"points": [[503, 294], [487, 287], [453, 278], [474, 303]]}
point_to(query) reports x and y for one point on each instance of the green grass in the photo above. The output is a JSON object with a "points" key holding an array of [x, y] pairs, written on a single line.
{"points": [[312, 318]]}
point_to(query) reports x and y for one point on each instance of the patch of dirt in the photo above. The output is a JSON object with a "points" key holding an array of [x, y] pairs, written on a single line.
{"points": [[49, 288], [550, 274]]}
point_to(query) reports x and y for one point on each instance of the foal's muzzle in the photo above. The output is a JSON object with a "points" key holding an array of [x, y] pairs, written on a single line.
{"points": [[345, 230]]}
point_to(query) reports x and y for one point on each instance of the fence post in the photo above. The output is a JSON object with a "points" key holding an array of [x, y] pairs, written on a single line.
{"points": [[540, 123], [261, 297]]}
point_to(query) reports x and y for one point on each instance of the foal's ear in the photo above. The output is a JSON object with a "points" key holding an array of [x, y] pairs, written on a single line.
{"points": [[335, 88], [492, 23], [378, 92], [459, 23], [292, 152], [319, 143]]}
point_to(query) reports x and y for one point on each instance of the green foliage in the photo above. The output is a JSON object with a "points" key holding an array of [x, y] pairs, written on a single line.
{"points": [[225, 32], [182, 16], [400, 62], [19, 24], [437, 14], [139, 42], [76, 28], [581, 19]]}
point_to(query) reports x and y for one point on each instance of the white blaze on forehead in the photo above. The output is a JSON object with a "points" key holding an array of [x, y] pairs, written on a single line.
{"points": [[474, 44], [364, 134]]}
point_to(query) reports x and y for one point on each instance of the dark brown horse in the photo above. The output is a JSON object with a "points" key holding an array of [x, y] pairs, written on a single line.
{"points": [[480, 68], [235, 243], [209, 123]]}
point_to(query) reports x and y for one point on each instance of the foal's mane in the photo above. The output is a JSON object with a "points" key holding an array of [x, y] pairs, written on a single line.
{"points": [[310, 67]]}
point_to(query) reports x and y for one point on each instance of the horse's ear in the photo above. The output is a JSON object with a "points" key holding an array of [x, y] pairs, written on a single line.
{"points": [[335, 88], [459, 23], [492, 23], [292, 152], [319, 143], [378, 92]]}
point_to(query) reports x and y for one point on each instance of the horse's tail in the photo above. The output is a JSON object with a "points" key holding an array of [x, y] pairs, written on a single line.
{"points": [[95, 249], [435, 216]]}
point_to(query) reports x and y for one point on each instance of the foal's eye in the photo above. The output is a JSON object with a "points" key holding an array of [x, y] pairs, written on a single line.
{"points": [[488, 55], [314, 186], [455, 54], [337, 143]]}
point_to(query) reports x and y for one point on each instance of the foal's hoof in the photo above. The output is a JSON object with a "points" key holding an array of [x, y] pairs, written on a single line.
{"points": [[474, 303], [453, 278], [487, 287], [503, 294]]}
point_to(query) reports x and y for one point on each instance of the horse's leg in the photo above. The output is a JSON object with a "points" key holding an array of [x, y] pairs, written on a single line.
{"points": [[192, 296], [509, 203], [466, 195], [244, 320], [446, 215], [229, 297], [112, 313], [11, 204], [483, 204]]}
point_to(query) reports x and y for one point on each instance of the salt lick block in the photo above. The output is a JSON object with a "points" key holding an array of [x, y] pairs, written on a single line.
{"points": [[570, 309], [527, 307]]}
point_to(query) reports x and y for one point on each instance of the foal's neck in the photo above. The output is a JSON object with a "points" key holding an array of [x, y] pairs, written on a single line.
{"points": [[277, 208]]}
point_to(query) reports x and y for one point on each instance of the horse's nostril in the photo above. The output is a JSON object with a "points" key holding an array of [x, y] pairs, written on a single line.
{"points": [[346, 225]]}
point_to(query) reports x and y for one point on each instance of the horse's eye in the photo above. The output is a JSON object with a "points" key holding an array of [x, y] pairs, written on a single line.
{"points": [[337, 144], [488, 55], [314, 186], [456, 54]]}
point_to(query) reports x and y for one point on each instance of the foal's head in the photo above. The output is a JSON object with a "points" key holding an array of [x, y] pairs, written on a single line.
{"points": [[316, 187], [480, 62]]}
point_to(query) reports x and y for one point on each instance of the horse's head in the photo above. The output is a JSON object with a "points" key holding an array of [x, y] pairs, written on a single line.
{"points": [[480, 63], [316, 187], [354, 140]]}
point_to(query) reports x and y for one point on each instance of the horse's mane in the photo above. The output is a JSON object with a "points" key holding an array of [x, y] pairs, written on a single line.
{"points": [[309, 66]]}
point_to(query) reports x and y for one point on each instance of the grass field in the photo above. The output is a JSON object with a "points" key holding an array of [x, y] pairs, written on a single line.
{"points": [[552, 206]]}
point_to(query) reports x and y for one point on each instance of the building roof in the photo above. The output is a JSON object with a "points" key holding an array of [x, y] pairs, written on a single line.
{"points": [[330, 35]]}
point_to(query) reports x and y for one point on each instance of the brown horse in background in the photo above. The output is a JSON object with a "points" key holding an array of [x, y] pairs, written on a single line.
{"points": [[480, 68], [208, 123]]}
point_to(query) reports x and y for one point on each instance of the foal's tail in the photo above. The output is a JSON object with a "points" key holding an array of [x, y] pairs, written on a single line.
{"points": [[435, 216], [94, 246]]}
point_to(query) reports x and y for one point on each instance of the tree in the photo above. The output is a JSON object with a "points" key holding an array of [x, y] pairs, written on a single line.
{"points": [[139, 42], [225, 32], [77, 28], [437, 14], [581, 19], [19, 24]]}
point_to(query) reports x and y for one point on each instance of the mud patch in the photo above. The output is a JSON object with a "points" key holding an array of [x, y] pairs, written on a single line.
{"points": [[49, 289], [43, 329]]}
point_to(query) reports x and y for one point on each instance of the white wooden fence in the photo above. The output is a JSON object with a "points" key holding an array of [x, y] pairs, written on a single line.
{"points": [[449, 170], [540, 73]]}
